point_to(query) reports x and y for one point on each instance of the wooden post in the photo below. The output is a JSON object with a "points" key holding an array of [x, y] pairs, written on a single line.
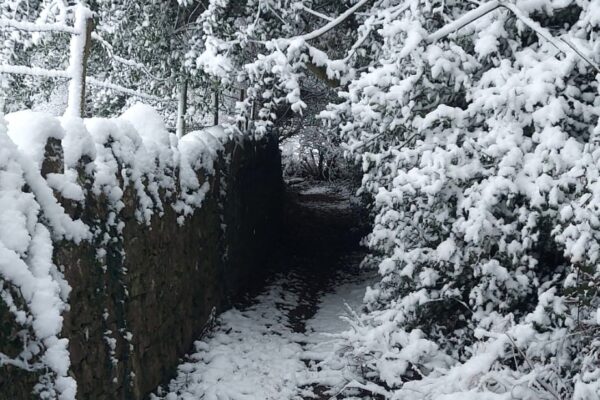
{"points": [[79, 53], [216, 112], [252, 114], [182, 109], [242, 98]]}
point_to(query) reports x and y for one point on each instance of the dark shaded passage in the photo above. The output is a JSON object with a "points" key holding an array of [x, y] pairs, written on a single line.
{"points": [[323, 226], [319, 245]]}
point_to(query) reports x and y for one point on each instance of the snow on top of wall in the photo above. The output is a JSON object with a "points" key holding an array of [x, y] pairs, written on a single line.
{"points": [[134, 151], [31, 130], [148, 123], [198, 151], [26, 264], [198, 144], [77, 142]]}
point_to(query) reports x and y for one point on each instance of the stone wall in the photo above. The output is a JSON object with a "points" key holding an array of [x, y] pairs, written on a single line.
{"points": [[134, 317]]}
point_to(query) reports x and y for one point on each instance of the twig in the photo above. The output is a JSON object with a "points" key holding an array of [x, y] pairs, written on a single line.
{"points": [[315, 13], [541, 382]]}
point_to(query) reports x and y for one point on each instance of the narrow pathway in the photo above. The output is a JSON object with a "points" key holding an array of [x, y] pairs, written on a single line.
{"points": [[281, 344]]}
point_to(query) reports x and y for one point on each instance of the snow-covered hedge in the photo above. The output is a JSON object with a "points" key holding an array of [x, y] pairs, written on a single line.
{"points": [[102, 157], [481, 152]]}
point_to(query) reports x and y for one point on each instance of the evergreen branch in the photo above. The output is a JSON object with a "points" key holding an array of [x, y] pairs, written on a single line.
{"points": [[561, 44]]}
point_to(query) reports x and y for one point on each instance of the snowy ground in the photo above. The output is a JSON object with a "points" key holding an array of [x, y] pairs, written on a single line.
{"points": [[259, 353]]}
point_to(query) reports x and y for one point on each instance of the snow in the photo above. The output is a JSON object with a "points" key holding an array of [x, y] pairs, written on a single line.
{"points": [[35, 71], [198, 152], [212, 61], [36, 26], [446, 249], [26, 252], [30, 131], [77, 142], [134, 150], [335, 307], [317, 190], [254, 353]]}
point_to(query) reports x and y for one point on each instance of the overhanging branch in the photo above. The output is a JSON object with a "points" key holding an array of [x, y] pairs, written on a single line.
{"points": [[561, 44]]}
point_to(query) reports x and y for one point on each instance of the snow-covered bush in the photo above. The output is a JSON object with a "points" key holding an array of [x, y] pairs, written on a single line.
{"points": [[481, 151], [477, 128]]}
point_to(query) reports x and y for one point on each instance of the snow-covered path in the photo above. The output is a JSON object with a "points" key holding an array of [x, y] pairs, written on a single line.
{"points": [[259, 352], [282, 343]]}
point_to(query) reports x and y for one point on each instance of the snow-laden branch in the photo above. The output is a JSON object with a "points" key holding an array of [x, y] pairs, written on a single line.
{"points": [[361, 40], [327, 27], [110, 50], [36, 27], [561, 44], [122, 89], [53, 73], [463, 21], [319, 70], [34, 71]]}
